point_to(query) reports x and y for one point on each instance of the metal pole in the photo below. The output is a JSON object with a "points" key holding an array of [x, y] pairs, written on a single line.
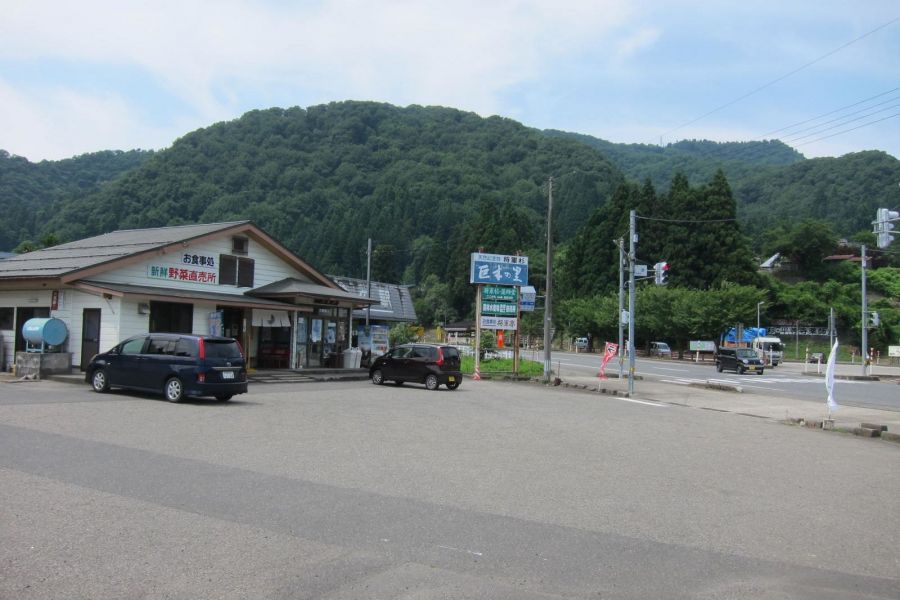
{"points": [[621, 245], [548, 314], [865, 314], [478, 329], [368, 284], [632, 241]]}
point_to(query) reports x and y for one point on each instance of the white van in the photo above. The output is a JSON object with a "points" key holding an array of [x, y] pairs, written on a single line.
{"points": [[769, 349], [581, 343]]}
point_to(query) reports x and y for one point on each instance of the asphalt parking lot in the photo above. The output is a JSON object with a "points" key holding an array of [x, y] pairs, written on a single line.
{"points": [[497, 490]]}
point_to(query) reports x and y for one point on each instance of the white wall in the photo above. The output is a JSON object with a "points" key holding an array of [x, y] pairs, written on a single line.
{"points": [[268, 268]]}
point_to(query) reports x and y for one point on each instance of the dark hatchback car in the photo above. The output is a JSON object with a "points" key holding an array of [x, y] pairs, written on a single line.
{"points": [[431, 364], [178, 365], [739, 360]]}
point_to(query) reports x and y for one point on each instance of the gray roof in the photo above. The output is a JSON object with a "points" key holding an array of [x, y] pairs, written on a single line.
{"points": [[394, 302], [290, 287], [74, 256], [149, 291]]}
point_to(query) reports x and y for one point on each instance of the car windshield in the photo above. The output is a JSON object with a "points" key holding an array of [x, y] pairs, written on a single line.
{"points": [[745, 353]]}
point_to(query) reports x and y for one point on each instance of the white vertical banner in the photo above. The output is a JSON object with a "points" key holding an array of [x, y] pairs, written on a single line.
{"points": [[829, 378]]}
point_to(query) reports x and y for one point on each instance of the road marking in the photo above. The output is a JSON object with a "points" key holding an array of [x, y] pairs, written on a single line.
{"points": [[472, 552], [656, 404], [671, 369]]}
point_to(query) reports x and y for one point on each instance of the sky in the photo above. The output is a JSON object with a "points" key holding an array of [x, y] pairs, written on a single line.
{"points": [[821, 75]]}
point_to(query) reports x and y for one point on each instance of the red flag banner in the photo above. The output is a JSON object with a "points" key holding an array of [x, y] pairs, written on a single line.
{"points": [[609, 352]]}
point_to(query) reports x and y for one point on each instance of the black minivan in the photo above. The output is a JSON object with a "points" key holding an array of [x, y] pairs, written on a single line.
{"points": [[176, 364], [431, 364]]}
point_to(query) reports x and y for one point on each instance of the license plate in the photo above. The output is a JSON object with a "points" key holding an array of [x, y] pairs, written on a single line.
{"points": [[227, 374], [451, 379], [751, 368]]}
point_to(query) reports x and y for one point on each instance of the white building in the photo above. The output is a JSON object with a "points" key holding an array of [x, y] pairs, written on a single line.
{"points": [[228, 279]]}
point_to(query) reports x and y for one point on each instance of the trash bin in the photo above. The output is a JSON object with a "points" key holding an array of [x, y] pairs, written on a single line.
{"points": [[352, 357]]}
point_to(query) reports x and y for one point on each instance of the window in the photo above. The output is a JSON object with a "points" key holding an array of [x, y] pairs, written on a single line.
{"points": [[239, 245], [133, 346], [186, 347], [171, 317], [6, 318], [161, 346], [236, 270]]}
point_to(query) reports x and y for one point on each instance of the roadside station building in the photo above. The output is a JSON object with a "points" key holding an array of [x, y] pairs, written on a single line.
{"points": [[229, 279]]}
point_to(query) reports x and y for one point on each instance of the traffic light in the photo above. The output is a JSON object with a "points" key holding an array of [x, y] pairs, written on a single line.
{"points": [[661, 273], [883, 225], [874, 319]]}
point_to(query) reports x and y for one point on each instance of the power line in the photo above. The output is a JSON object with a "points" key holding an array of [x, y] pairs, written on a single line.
{"points": [[791, 139], [783, 77], [832, 112], [851, 129]]}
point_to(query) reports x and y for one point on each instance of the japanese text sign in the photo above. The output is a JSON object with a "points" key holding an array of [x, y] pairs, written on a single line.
{"points": [[499, 269]]}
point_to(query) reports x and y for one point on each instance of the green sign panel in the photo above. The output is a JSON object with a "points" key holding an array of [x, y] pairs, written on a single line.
{"points": [[499, 308], [499, 293]]}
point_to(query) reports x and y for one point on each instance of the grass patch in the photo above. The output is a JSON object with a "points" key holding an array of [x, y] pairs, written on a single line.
{"points": [[527, 368]]}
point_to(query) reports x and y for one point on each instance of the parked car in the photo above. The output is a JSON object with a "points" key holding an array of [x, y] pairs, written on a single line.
{"points": [[431, 364], [739, 360], [816, 357], [660, 349], [581, 343], [178, 365]]}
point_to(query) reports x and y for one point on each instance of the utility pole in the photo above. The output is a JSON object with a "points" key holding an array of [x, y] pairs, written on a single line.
{"points": [[621, 245], [865, 314], [632, 241], [368, 284], [549, 286]]}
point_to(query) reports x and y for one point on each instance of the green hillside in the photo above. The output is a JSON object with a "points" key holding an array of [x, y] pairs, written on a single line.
{"points": [[698, 160], [29, 190], [324, 179]]}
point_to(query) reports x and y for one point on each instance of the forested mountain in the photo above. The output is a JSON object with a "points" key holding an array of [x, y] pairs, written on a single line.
{"points": [[27, 189], [324, 179], [698, 160], [844, 191]]}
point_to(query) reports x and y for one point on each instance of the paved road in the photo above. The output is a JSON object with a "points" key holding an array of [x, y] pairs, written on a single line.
{"points": [[348, 490], [793, 379]]}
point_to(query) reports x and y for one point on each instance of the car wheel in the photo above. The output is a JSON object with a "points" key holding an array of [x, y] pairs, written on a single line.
{"points": [[377, 377], [452, 385], [431, 382], [719, 367], [760, 372], [223, 397], [99, 381], [174, 390]]}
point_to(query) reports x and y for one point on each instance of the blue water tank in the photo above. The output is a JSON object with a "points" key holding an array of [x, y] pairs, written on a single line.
{"points": [[52, 332]]}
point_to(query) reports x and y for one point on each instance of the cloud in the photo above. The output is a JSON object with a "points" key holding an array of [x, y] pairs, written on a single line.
{"points": [[55, 123], [639, 40]]}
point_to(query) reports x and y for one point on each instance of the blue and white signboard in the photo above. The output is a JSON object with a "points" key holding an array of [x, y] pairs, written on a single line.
{"points": [[499, 269], [527, 298]]}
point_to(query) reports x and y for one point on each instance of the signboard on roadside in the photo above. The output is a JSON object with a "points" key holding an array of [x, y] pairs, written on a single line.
{"points": [[527, 298], [499, 269], [505, 323], [894, 351], [702, 346], [499, 308], [499, 293]]}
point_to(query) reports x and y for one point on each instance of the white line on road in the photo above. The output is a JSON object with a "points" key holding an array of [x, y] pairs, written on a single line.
{"points": [[656, 404], [671, 369], [461, 550]]}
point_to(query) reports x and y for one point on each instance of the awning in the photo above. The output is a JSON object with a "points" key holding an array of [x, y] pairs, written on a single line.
{"points": [[270, 318], [175, 295]]}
